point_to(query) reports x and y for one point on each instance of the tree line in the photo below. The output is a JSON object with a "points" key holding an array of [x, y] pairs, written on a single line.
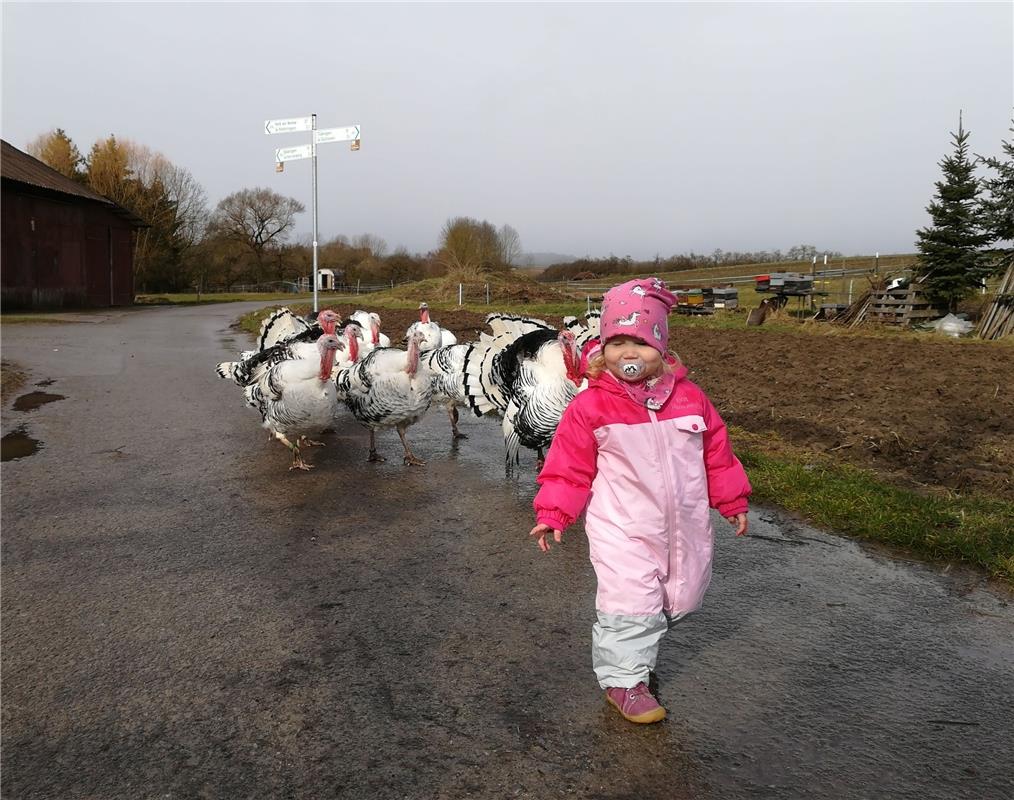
{"points": [[588, 267], [248, 237]]}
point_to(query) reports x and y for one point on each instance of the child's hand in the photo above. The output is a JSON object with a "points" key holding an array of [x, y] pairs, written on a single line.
{"points": [[541, 530], [739, 520]]}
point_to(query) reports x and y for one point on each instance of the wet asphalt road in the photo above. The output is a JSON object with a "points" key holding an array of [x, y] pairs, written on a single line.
{"points": [[184, 618]]}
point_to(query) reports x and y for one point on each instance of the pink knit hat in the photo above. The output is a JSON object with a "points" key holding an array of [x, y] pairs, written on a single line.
{"points": [[638, 308]]}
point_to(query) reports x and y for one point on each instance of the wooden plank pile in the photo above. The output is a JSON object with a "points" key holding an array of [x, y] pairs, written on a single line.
{"points": [[998, 321], [901, 307]]}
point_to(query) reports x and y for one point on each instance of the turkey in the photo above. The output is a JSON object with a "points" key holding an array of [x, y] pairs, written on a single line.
{"points": [[485, 384], [283, 336], [388, 388], [296, 398], [446, 365], [528, 373], [435, 335], [370, 323]]}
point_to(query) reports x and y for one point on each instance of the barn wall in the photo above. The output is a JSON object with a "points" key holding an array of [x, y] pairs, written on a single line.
{"points": [[63, 254]]}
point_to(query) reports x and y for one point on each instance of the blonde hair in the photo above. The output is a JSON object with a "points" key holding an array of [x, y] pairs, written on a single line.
{"points": [[597, 364]]}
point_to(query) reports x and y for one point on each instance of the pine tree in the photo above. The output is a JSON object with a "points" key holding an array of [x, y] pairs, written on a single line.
{"points": [[951, 262], [997, 205]]}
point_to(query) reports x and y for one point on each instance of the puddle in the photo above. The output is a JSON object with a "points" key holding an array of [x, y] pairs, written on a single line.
{"points": [[32, 400], [18, 444]]}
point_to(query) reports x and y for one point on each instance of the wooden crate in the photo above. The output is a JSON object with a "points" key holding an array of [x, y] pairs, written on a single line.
{"points": [[900, 306]]}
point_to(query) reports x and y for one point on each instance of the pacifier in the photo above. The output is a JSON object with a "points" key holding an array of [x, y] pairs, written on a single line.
{"points": [[633, 370]]}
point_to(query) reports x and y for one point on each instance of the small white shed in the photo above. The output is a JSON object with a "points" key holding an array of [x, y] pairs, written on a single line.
{"points": [[325, 280]]}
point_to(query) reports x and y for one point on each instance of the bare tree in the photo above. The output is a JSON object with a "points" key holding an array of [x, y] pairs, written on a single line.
{"points": [[376, 246], [509, 245], [259, 219], [469, 246]]}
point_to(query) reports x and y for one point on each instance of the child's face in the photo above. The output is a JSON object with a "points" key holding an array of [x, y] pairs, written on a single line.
{"points": [[630, 359]]}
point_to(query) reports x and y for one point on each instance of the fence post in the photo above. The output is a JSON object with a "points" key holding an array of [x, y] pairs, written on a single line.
{"points": [[459, 293], [358, 281], [487, 294]]}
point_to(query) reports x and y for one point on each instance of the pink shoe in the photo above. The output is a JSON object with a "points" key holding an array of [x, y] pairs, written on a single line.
{"points": [[636, 704]]}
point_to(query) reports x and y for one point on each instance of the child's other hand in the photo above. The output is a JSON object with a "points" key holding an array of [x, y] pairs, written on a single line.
{"points": [[541, 530], [739, 520]]}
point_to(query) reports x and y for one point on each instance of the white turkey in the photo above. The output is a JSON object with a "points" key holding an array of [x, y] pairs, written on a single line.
{"points": [[528, 373], [388, 388], [370, 323], [297, 398], [435, 336]]}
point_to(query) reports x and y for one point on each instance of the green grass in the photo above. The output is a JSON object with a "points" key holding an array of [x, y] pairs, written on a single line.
{"points": [[974, 530]]}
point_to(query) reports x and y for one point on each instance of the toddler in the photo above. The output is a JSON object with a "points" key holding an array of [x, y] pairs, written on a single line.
{"points": [[646, 453]]}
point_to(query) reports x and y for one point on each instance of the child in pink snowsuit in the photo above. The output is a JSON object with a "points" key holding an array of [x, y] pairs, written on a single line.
{"points": [[646, 454]]}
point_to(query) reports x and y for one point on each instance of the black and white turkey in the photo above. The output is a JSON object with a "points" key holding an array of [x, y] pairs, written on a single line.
{"points": [[387, 388], [446, 365], [527, 372], [296, 397], [283, 335]]}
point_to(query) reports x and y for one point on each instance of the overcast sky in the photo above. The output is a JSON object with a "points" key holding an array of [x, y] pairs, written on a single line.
{"points": [[590, 128]]}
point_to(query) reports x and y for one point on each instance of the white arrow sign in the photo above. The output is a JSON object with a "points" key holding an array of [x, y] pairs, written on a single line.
{"points": [[349, 134], [293, 153], [293, 125]]}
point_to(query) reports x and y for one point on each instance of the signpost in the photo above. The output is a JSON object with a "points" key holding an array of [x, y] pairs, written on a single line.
{"points": [[283, 154], [294, 125], [293, 153]]}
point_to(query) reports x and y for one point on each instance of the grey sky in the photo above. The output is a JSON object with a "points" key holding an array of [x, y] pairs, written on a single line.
{"points": [[590, 128]]}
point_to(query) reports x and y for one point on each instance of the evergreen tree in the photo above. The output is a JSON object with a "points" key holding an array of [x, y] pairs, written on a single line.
{"points": [[997, 205], [55, 149], [951, 263]]}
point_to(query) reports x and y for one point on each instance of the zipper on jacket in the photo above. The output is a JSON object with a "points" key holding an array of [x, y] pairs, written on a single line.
{"points": [[669, 489]]}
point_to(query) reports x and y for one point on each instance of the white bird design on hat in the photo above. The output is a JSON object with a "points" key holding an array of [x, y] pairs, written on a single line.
{"points": [[639, 291], [628, 321], [657, 331]]}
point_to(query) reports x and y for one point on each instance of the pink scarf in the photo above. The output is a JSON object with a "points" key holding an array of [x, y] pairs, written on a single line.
{"points": [[652, 393]]}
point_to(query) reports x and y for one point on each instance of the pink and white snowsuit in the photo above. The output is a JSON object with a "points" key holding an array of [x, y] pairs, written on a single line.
{"points": [[647, 479]]}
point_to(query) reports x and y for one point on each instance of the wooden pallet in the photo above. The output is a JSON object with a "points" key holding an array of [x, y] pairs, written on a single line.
{"points": [[900, 306]]}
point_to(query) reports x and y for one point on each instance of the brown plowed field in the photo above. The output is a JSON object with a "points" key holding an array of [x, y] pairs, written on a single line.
{"points": [[921, 412]]}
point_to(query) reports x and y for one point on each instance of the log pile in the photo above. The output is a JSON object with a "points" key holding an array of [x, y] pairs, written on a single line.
{"points": [[998, 321]]}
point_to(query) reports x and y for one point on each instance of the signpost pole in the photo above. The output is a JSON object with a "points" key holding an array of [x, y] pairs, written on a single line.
{"points": [[349, 133], [313, 150]]}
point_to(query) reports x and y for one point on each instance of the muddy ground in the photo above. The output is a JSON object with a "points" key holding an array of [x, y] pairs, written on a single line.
{"points": [[183, 617], [921, 412]]}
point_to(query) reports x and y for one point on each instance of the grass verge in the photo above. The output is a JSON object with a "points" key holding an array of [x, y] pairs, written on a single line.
{"points": [[975, 530]]}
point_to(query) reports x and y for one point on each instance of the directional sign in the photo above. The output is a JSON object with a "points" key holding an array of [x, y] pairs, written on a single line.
{"points": [[349, 134], [293, 153], [294, 125]]}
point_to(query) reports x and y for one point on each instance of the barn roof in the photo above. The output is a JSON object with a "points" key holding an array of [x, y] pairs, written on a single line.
{"points": [[18, 166]]}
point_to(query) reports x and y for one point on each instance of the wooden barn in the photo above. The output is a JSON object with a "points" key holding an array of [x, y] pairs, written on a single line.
{"points": [[63, 245]]}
